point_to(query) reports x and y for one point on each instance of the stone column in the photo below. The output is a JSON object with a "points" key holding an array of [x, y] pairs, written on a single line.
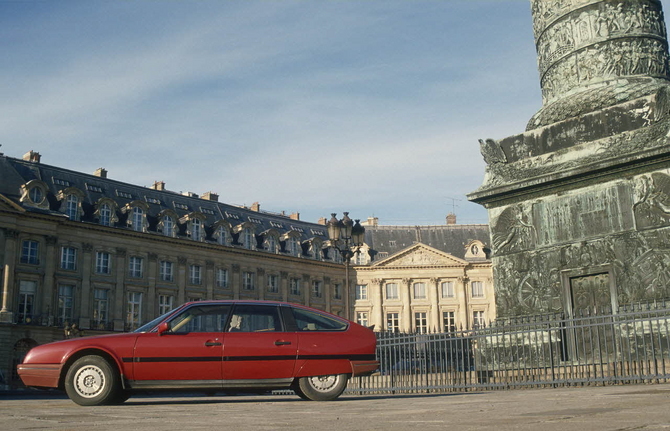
{"points": [[434, 295], [466, 314], [6, 314], [85, 306], [48, 289], [118, 314], [236, 281], [328, 293], [181, 279], [307, 293], [377, 317], [406, 298], [261, 285], [283, 285], [210, 280], [152, 276]]}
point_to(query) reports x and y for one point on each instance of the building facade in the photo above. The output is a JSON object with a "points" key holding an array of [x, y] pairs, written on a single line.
{"points": [[579, 203], [424, 278], [85, 253]]}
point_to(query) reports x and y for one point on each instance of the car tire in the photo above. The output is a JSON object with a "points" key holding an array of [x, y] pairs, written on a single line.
{"points": [[92, 381], [322, 388]]}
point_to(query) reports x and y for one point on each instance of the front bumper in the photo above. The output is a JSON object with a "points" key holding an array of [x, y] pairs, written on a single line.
{"points": [[363, 368], [40, 375]]}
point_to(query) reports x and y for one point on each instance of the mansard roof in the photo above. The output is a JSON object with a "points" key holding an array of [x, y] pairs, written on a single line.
{"points": [[449, 238], [16, 172]]}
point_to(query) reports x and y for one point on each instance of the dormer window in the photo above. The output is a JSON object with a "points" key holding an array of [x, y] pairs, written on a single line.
{"points": [[248, 238], [137, 222], [137, 215], [316, 250], [105, 214], [271, 244], [72, 207], [36, 195], [167, 224], [105, 210], [222, 235], [292, 246], [196, 229]]}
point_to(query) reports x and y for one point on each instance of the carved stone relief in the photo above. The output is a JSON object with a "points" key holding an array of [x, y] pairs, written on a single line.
{"points": [[652, 201], [584, 42]]}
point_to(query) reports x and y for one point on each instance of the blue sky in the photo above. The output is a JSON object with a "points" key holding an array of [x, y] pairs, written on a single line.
{"points": [[371, 106]]}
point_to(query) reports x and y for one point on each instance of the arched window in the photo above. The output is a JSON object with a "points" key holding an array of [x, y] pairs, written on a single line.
{"points": [[137, 219], [72, 207], [105, 215]]}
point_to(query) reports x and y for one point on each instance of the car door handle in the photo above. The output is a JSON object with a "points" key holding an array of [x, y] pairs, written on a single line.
{"points": [[212, 343], [282, 343]]}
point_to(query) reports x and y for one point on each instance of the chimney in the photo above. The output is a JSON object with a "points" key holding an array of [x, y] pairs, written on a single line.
{"points": [[158, 185], [322, 221], [209, 196], [294, 216], [32, 157], [255, 207], [100, 172], [372, 221], [451, 218]]}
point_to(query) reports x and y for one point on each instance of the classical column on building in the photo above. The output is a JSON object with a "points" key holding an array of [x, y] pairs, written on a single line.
{"points": [[86, 271], [6, 314], [307, 293], [328, 293], [236, 280], [261, 282], [377, 317], [118, 315], [283, 285], [406, 298], [464, 303], [152, 277], [434, 295], [182, 262], [210, 280], [48, 289]]}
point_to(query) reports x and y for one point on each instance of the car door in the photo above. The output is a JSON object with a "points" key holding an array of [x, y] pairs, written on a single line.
{"points": [[189, 353], [256, 345]]}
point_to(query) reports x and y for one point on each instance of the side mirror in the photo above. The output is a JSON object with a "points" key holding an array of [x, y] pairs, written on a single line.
{"points": [[162, 328]]}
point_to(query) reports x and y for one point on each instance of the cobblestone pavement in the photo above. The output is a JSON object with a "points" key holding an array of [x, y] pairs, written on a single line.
{"points": [[635, 407]]}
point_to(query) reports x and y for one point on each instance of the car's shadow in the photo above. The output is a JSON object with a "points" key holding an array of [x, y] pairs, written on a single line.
{"points": [[179, 399]]}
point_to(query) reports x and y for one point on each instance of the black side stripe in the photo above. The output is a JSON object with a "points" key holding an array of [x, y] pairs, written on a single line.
{"points": [[250, 358]]}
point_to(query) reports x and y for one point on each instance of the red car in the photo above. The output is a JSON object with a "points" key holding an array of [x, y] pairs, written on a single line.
{"points": [[210, 346]]}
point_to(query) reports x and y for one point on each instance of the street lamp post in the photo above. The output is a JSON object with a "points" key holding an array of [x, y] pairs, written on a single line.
{"points": [[347, 237]]}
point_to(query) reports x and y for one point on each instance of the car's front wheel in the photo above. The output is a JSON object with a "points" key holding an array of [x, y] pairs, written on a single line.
{"points": [[322, 388], [92, 381]]}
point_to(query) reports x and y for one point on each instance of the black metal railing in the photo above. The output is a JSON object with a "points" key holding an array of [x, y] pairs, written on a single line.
{"points": [[630, 346]]}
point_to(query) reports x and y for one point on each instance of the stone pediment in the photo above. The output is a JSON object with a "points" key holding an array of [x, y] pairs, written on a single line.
{"points": [[420, 255]]}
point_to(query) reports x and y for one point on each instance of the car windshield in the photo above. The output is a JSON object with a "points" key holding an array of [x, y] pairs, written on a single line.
{"points": [[148, 326]]}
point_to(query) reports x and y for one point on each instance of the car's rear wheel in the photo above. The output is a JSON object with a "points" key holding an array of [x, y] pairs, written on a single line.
{"points": [[92, 381], [322, 388]]}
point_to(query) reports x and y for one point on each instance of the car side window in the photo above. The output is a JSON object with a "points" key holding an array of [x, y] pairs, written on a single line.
{"points": [[311, 321], [204, 318], [255, 318]]}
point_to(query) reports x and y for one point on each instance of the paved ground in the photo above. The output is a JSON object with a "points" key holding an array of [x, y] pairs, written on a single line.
{"points": [[640, 407]]}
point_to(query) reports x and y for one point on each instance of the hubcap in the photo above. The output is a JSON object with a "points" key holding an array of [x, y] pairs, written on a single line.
{"points": [[89, 381], [324, 383]]}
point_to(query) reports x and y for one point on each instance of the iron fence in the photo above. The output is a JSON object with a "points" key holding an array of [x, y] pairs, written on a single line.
{"points": [[631, 346]]}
